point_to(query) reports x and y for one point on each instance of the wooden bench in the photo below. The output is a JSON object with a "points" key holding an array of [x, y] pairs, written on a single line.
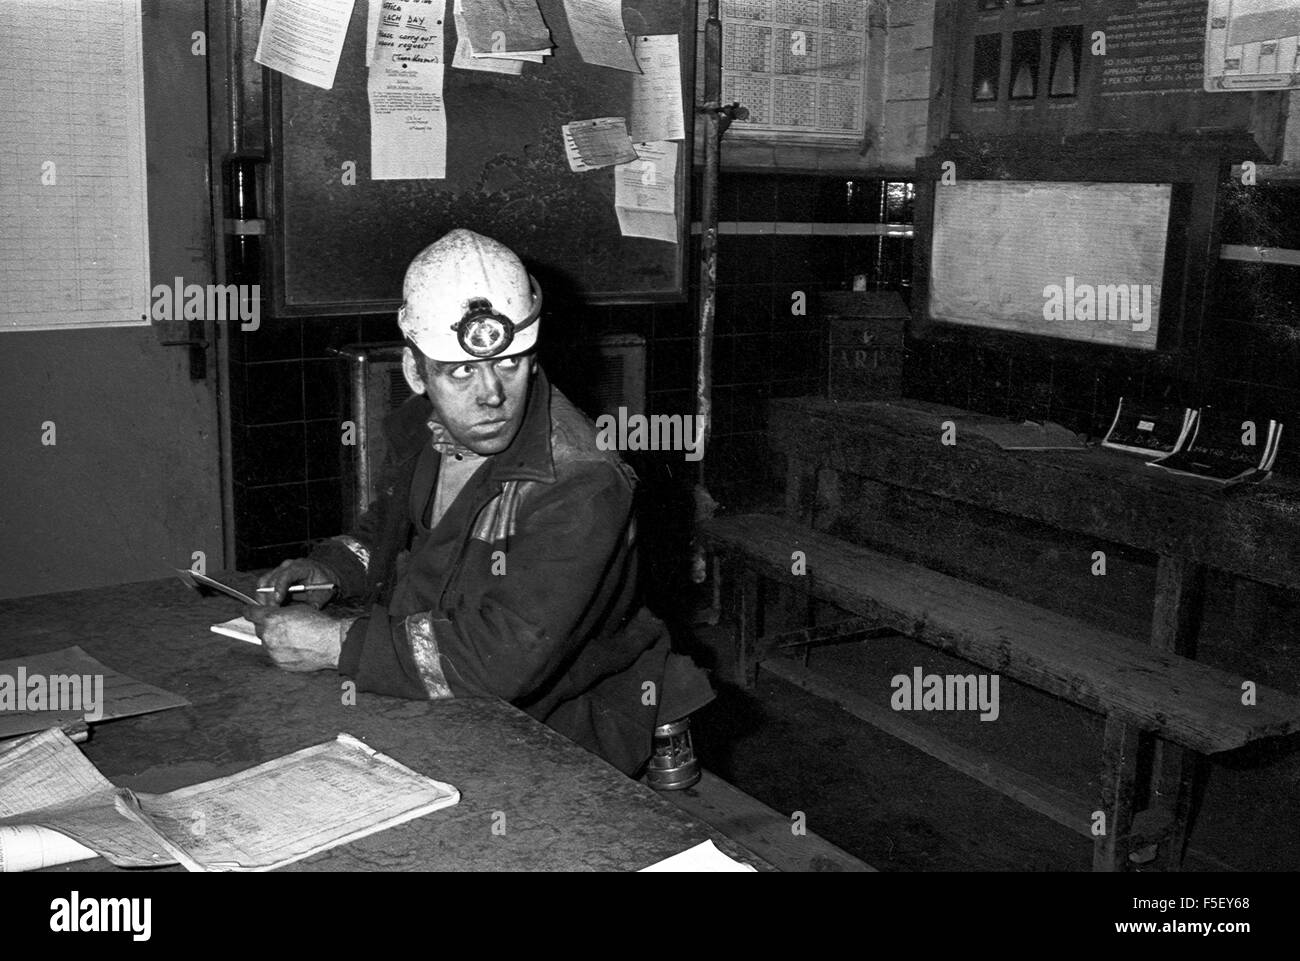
{"points": [[1152, 699]]}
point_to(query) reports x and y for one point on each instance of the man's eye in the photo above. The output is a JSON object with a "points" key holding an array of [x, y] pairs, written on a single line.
{"points": [[463, 372], [508, 363]]}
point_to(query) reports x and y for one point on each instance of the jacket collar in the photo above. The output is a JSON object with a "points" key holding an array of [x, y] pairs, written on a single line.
{"points": [[528, 458]]}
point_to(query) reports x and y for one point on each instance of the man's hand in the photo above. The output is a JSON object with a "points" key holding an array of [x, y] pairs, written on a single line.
{"points": [[297, 571], [299, 638]]}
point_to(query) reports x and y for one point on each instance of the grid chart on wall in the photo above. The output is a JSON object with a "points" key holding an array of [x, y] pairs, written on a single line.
{"points": [[74, 244], [798, 66]]}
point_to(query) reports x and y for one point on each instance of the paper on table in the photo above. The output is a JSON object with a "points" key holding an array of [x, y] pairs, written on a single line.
{"points": [[645, 192], [52, 799], [303, 38], [500, 28], [590, 144], [702, 857], [290, 808], [656, 112], [598, 33], [62, 677], [408, 122], [240, 628], [464, 58]]}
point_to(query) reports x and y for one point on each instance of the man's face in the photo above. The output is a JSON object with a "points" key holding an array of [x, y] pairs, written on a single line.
{"points": [[481, 403]]}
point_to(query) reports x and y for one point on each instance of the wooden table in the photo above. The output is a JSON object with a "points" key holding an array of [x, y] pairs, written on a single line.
{"points": [[563, 809], [1189, 524]]}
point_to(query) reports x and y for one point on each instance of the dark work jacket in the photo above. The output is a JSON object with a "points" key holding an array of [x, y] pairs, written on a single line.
{"points": [[538, 602]]}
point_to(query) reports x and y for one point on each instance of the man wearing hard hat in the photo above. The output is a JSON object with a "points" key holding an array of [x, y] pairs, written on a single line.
{"points": [[498, 558]]}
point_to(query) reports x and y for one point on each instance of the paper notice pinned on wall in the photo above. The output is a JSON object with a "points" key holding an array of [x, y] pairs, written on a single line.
{"points": [[464, 58], [602, 142], [597, 27], [645, 192], [507, 28], [656, 112], [408, 121], [303, 38]]}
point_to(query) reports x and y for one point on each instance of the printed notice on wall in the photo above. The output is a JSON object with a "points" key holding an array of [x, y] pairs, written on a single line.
{"points": [[799, 66], [408, 123], [1252, 45], [645, 192], [74, 237], [1153, 48], [303, 38]]}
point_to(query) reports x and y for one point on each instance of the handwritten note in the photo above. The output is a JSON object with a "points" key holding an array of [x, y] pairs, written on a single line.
{"points": [[408, 121]]}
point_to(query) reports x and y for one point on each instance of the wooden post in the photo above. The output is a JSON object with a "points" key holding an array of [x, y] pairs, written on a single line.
{"points": [[1118, 785], [740, 605], [1180, 594]]}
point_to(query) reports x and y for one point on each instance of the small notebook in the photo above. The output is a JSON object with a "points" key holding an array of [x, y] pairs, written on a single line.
{"points": [[240, 628]]}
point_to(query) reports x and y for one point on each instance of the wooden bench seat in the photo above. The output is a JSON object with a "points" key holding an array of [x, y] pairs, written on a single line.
{"points": [[1139, 689]]}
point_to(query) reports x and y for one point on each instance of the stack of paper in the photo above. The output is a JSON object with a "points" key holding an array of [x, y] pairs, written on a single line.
{"points": [[504, 30], [53, 803]]}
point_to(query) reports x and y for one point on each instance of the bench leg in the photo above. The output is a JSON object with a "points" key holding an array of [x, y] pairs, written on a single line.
{"points": [[1175, 775], [740, 605], [1118, 789]]}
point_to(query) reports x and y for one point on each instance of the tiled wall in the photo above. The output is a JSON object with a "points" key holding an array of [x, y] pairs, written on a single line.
{"points": [[1249, 358], [286, 406]]}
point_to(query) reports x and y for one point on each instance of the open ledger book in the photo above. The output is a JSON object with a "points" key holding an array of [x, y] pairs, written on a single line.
{"points": [[56, 807]]}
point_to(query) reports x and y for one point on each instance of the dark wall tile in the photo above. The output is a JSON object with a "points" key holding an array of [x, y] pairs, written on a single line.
{"points": [[249, 557], [269, 455], [672, 364], [749, 410], [325, 508], [323, 335], [797, 198], [753, 360], [380, 328], [671, 402], [323, 388], [274, 339], [271, 515], [745, 258], [673, 320], [325, 450], [744, 309], [792, 258], [273, 392], [752, 197]]}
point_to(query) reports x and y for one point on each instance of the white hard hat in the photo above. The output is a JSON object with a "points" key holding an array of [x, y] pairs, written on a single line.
{"points": [[467, 297]]}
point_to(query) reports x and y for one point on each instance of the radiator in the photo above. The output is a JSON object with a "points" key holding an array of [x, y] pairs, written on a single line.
{"points": [[375, 387]]}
